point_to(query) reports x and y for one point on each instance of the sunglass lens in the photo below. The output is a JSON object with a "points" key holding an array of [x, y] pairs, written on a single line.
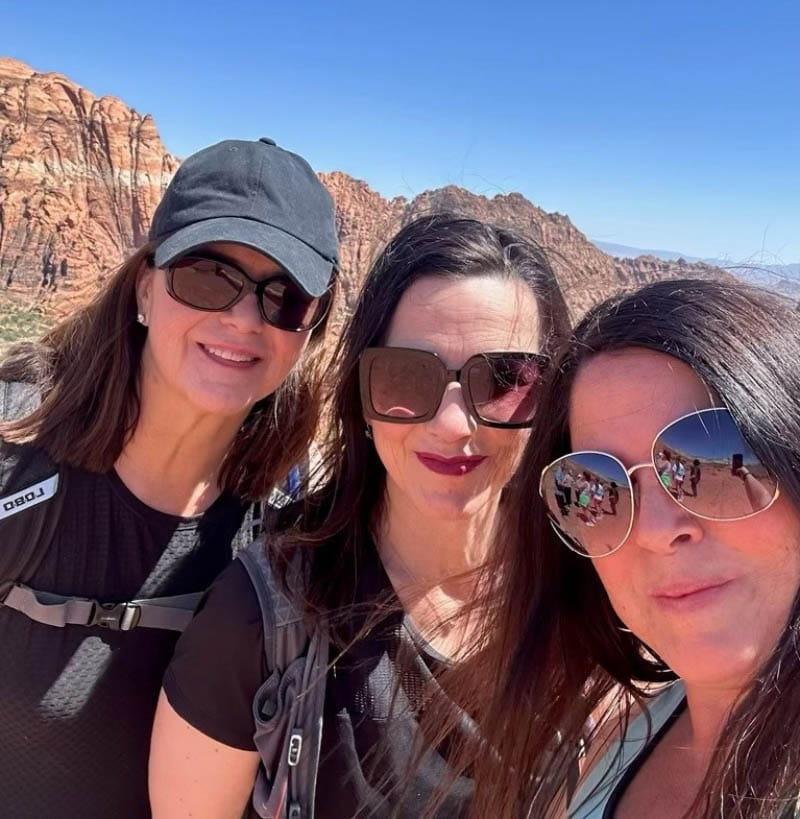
{"points": [[706, 464], [287, 307], [503, 388], [588, 498], [205, 284], [404, 384]]}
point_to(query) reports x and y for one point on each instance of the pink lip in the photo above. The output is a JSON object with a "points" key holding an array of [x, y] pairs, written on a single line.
{"points": [[690, 595], [224, 362], [457, 466]]}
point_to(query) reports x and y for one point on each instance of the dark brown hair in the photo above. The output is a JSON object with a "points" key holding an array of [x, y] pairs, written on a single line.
{"points": [[552, 649], [339, 519], [87, 370]]}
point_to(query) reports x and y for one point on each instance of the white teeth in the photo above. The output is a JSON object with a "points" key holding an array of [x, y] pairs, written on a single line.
{"points": [[228, 355]]}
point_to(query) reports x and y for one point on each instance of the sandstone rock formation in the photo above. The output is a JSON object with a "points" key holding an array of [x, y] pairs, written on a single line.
{"points": [[80, 177], [79, 180]]}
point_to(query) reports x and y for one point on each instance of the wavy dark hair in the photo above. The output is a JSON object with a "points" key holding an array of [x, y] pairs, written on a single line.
{"points": [[339, 519], [552, 652], [87, 371]]}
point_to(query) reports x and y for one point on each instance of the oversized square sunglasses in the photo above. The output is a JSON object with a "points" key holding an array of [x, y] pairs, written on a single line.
{"points": [[406, 386], [701, 460]]}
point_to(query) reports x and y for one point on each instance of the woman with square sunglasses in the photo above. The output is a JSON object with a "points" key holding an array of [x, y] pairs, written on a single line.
{"points": [[435, 389], [671, 626], [168, 407]]}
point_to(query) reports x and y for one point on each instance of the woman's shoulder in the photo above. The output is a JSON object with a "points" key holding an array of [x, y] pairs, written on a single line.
{"points": [[218, 664], [231, 600], [624, 726]]}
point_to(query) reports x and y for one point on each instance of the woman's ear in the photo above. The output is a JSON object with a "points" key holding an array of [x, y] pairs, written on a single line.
{"points": [[144, 292]]}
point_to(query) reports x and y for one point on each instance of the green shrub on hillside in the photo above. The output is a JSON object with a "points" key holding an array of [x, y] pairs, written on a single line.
{"points": [[20, 322]]}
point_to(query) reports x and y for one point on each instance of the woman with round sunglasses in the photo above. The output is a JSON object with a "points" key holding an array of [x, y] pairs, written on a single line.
{"points": [[169, 407], [671, 625], [435, 388]]}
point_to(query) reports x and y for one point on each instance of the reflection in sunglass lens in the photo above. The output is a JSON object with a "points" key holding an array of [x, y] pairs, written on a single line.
{"points": [[205, 284], [404, 384], [503, 388], [706, 464], [588, 498], [285, 305]]}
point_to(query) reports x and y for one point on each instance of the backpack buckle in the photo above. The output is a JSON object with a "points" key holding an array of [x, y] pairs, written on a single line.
{"points": [[115, 616], [295, 747]]}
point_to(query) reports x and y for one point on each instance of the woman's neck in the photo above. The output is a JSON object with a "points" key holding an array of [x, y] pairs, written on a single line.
{"points": [[708, 708], [173, 459], [433, 565]]}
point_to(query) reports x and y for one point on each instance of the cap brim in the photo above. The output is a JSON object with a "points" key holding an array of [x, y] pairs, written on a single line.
{"points": [[309, 269]]}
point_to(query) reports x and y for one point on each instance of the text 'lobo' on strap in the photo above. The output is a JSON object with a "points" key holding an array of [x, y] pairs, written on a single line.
{"points": [[28, 497]]}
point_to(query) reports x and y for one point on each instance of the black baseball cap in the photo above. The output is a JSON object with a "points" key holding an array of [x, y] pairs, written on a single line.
{"points": [[254, 194]]}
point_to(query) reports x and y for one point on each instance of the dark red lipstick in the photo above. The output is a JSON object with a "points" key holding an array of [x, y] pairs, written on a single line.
{"points": [[456, 466]]}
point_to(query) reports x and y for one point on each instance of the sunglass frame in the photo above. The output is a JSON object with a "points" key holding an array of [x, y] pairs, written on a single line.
{"points": [[628, 471], [445, 376], [249, 286]]}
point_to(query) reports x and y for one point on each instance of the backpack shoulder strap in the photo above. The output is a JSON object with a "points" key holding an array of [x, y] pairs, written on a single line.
{"points": [[172, 613], [31, 492], [288, 707], [17, 399]]}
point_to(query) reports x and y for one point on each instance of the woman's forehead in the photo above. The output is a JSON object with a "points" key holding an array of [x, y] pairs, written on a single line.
{"points": [[459, 317], [621, 400]]}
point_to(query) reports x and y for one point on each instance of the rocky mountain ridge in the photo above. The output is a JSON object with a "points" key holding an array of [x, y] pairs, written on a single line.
{"points": [[80, 177]]}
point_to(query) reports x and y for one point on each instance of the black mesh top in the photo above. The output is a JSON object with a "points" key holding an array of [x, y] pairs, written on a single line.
{"points": [[77, 704]]}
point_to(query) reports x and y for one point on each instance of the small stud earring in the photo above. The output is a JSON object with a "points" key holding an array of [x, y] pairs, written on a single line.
{"points": [[142, 319], [368, 431]]}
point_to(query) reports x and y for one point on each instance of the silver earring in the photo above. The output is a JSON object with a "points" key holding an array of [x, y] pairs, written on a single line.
{"points": [[142, 319], [368, 431]]}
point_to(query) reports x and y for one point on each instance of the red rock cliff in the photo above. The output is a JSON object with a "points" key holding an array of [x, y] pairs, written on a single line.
{"points": [[80, 177]]}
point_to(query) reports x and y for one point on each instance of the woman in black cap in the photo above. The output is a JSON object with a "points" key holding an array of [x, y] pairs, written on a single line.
{"points": [[136, 438]]}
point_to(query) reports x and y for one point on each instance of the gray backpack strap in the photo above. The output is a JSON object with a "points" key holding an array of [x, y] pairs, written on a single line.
{"points": [[170, 613], [18, 399], [288, 707], [32, 491]]}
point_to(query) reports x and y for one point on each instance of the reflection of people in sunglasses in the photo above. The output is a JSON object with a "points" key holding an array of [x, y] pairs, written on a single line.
{"points": [[563, 482], [678, 476], [758, 493], [613, 497], [425, 438], [695, 474], [699, 588]]}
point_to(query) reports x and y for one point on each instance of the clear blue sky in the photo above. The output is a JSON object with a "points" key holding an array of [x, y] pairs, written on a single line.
{"points": [[670, 125]]}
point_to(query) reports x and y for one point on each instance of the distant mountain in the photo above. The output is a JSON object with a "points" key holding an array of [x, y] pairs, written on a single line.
{"points": [[781, 278], [626, 252]]}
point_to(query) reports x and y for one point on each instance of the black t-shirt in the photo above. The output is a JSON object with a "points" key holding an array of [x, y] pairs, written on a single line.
{"points": [[369, 725], [77, 703]]}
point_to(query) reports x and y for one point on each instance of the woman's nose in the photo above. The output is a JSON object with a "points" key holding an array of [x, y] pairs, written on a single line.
{"points": [[660, 523], [453, 419], [245, 315]]}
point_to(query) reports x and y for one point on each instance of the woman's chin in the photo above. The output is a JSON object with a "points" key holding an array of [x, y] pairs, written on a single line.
{"points": [[716, 663], [447, 506], [220, 400]]}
